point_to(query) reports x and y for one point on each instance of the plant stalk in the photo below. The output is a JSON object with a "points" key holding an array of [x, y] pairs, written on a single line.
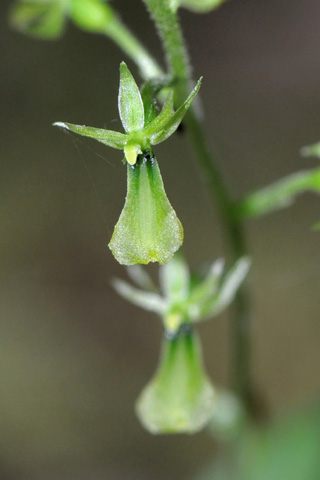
{"points": [[121, 35], [178, 62]]}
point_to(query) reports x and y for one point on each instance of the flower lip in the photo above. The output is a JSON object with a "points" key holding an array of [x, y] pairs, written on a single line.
{"points": [[179, 398], [148, 229]]}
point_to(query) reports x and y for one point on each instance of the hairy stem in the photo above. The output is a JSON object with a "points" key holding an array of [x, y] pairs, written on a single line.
{"points": [[174, 45], [179, 66], [177, 56]]}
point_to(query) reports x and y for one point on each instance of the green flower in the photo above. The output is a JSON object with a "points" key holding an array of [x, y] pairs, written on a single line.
{"points": [[180, 397], [148, 229]]}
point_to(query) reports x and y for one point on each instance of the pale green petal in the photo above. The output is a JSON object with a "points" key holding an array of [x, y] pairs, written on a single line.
{"points": [[227, 290], [166, 129], [162, 118]]}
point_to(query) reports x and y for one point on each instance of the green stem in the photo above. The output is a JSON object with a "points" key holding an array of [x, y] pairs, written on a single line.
{"points": [[132, 47], [174, 45], [169, 28]]}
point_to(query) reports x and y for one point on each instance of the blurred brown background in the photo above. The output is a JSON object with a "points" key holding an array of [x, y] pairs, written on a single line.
{"points": [[74, 356]]}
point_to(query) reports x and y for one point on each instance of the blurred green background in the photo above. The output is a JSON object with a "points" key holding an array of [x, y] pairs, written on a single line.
{"points": [[73, 355]]}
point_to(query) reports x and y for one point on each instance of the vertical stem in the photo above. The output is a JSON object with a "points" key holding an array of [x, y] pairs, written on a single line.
{"points": [[174, 45], [169, 28]]}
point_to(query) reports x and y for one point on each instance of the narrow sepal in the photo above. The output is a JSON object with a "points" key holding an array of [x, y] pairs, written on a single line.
{"points": [[147, 300], [108, 137], [160, 121], [130, 104], [148, 229], [227, 290], [180, 397]]}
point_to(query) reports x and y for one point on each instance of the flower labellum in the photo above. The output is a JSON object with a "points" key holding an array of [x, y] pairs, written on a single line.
{"points": [[148, 229], [180, 397]]}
